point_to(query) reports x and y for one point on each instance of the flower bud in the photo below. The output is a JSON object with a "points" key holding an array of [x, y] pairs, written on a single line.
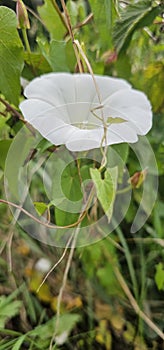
{"points": [[138, 178], [22, 15]]}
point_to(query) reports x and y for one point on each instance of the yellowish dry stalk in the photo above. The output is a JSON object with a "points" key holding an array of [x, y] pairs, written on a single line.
{"points": [[134, 304], [131, 298]]}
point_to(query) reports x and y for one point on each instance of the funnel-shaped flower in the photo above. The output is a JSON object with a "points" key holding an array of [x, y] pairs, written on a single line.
{"points": [[71, 109]]}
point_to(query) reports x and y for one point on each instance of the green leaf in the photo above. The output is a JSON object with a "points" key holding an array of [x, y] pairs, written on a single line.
{"points": [[154, 84], [70, 185], [72, 8], [106, 188], [122, 150], [134, 16], [1, 174], [8, 309], [55, 54], [4, 147], [159, 276], [7, 344], [19, 342], [64, 218], [102, 11], [71, 188], [16, 159], [11, 56], [66, 323], [37, 64], [117, 155], [40, 207], [107, 278], [123, 66], [52, 20], [117, 120]]}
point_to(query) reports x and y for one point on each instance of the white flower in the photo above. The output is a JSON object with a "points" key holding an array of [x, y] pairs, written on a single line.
{"points": [[43, 265], [65, 109], [61, 339], [24, 82]]}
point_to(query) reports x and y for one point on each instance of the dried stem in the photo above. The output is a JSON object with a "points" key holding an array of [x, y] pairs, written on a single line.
{"points": [[36, 16], [104, 139], [69, 27], [12, 109], [131, 298], [57, 263], [63, 286], [9, 246], [135, 306], [89, 68], [59, 13], [41, 222], [83, 23]]}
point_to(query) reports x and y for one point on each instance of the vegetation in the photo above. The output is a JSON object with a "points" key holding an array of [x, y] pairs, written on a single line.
{"points": [[107, 292]]}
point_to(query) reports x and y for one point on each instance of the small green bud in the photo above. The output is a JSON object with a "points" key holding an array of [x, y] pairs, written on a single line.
{"points": [[22, 15]]}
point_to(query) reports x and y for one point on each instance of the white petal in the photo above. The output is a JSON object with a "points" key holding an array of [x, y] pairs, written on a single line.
{"points": [[65, 82], [118, 133], [82, 145], [82, 140], [107, 86], [49, 121], [24, 82], [61, 134], [56, 89], [81, 112], [35, 109], [84, 88], [133, 106]]}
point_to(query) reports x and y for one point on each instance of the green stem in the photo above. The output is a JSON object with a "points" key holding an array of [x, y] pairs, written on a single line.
{"points": [[25, 38], [124, 190]]}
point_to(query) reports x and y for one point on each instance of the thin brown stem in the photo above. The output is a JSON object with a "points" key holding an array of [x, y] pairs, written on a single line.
{"points": [[135, 306], [57, 263], [15, 113], [3, 114], [59, 13], [104, 139], [12, 109], [39, 221], [65, 277], [83, 23], [36, 16], [69, 27], [131, 298], [9, 247]]}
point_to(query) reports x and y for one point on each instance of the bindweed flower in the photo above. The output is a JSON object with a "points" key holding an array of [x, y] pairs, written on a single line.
{"points": [[43, 265], [71, 109], [24, 82]]}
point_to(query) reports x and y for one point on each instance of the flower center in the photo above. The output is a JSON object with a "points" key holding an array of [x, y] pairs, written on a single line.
{"points": [[85, 125]]}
